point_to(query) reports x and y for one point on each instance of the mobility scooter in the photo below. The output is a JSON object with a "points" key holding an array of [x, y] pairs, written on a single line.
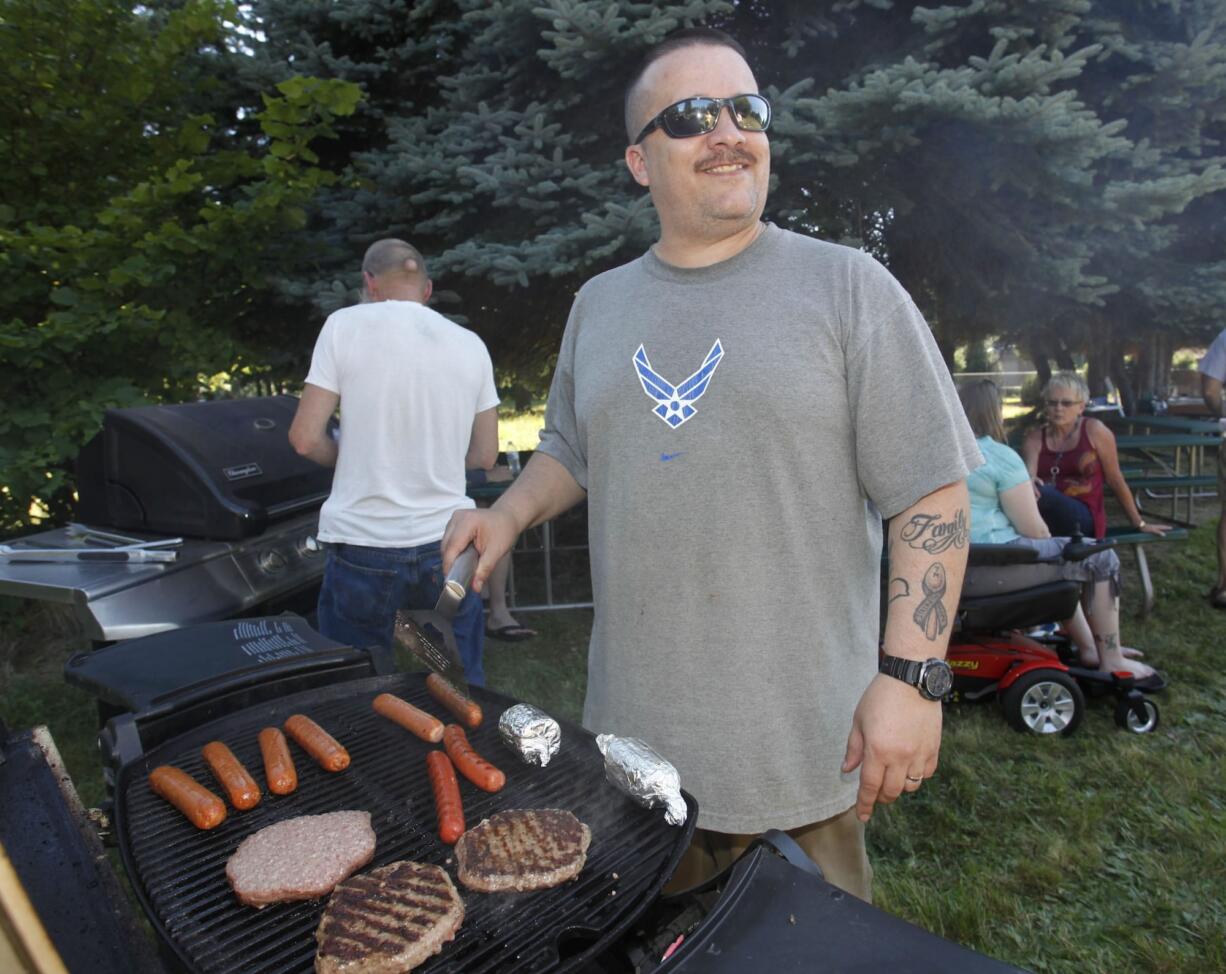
{"points": [[1010, 591]]}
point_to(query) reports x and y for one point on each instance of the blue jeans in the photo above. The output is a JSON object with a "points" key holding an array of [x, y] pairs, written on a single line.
{"points": [[363, 587], [1064, 515]]}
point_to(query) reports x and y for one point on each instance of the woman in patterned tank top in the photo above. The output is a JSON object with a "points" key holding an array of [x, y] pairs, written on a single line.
{"points": [[1070, 458]]}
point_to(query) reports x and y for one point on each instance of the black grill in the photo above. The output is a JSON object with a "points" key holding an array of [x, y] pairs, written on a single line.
{"points": [[222, 469], [179, 872]]}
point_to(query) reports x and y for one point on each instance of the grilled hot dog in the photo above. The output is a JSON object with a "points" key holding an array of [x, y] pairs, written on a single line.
{"points": [[469, 763], [199, 805], [446, 796], [426, 726], [234, 779], [467, 711], [317, 742], [279, 768]]}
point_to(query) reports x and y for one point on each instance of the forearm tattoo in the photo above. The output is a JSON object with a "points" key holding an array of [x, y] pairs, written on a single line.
{"points": [[898, 589], [930, 533], [930, 614]]}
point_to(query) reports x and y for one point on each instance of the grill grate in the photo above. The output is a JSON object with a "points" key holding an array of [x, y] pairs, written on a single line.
{"points": [[179, 872]]}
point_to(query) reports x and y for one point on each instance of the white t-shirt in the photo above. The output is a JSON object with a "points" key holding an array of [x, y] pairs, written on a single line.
{"points": [[411, 382], [1214, 362]]}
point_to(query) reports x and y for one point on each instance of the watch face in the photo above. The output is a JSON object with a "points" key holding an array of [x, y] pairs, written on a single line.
{"points": [[937, 679]]}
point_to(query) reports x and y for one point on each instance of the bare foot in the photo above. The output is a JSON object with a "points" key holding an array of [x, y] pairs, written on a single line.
{"points": [[1130, 653], [1119, 664]]}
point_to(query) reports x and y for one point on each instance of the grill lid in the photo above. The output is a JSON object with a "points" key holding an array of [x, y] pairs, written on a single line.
{"points": [[219, 469], [179, 873]]}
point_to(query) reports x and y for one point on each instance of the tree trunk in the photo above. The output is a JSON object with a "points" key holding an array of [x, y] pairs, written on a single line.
{"points": [[947, 349], [1099, 356], [1038, 356]]}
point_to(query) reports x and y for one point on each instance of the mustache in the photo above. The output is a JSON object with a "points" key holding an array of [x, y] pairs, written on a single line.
{"points": [[728, 157]]}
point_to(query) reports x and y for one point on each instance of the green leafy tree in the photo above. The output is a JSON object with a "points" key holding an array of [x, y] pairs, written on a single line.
{"points": [[135, 240]]}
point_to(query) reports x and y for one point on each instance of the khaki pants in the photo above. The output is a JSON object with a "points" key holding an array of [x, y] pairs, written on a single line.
{"points": [[836, 845]]}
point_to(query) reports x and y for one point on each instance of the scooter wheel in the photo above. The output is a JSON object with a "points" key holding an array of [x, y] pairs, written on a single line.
{"points": [[1044, 702], [1139, 716]]}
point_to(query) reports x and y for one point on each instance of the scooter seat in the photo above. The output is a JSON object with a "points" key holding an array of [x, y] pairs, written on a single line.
{"points": [[1017, 608], [1000, 555]]}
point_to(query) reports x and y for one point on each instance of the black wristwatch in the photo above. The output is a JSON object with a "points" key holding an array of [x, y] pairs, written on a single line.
{"points": [[932, 678]]}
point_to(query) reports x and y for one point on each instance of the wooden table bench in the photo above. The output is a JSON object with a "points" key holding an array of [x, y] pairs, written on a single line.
{"points": [[1171, 462]]}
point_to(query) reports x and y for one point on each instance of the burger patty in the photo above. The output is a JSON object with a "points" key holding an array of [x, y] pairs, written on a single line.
{"points": [[388, 920], [300, 858], [521, 850]]}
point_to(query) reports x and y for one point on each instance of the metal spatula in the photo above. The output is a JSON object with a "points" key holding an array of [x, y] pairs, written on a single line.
{"points": [[438, 660], [410, 636]]}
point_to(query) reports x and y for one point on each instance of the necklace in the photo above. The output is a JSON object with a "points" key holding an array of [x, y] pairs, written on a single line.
{"points": [[1055, 467]]}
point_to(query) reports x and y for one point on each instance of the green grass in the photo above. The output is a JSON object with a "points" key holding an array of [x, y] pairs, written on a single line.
{"points": [[1102, 853], [520, 429]]}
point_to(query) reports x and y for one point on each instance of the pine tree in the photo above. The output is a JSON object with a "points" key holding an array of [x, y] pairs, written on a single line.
{"points": [[1048, 171]]}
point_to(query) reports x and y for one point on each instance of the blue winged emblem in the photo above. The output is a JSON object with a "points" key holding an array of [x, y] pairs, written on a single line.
{"points": [[675, 404]]}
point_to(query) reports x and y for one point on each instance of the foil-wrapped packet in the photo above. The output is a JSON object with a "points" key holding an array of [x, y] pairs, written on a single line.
{"points": [[642, 774], [530, 733]]}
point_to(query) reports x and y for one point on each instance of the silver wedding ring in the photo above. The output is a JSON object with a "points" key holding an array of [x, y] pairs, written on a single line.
{"points": [[916, 780]]}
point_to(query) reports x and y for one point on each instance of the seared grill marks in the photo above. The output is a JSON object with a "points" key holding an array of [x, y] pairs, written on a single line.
{"points": [[390, 919], [522, 850]]}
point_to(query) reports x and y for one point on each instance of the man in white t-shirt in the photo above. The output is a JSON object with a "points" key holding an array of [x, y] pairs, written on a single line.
{"points": [[1212, 375], [418, 406]]}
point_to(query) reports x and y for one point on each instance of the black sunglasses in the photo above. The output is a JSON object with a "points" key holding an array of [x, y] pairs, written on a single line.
{"points": [[698, 116], [1066, 403]]}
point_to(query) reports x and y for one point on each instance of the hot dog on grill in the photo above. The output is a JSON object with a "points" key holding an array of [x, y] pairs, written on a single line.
{"points": [[426, 726], [230, 774], [279, 768], [469, 763], [467, 711], [199, 805], [446, 796], [317, 742]]}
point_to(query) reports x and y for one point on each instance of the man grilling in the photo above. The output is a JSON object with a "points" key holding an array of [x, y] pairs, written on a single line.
{"points": [[740, 406], [419, 407]]}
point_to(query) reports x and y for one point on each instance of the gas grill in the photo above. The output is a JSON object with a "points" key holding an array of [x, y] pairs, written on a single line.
{"points": [[219, 476], [169, 694], [226, 682]]}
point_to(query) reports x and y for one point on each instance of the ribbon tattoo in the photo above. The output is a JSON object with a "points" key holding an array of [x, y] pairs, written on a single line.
{"points": [[930, 614]]}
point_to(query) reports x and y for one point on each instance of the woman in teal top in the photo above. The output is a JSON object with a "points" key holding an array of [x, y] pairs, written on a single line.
{"points": [[1004, 511]]}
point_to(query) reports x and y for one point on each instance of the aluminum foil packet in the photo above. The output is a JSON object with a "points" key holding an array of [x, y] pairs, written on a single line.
{"points": [[530, 733], [642, 774]]}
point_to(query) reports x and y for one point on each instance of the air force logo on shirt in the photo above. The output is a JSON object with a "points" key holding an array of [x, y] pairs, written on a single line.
{"points": [[675, 404]]}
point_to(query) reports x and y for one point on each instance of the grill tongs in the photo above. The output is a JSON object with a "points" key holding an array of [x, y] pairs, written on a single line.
{"points": [[441, 661], [117, 548]]}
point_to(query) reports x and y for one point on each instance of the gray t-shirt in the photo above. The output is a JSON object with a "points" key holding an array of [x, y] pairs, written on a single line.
{"points": [[738, 428]]}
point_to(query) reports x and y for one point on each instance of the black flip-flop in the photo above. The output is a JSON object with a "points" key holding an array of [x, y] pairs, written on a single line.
{"points": [[511, 634], [1217, 598]]}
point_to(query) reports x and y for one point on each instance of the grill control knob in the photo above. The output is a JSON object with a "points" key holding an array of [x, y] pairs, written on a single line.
{"points": [[272, 562]]}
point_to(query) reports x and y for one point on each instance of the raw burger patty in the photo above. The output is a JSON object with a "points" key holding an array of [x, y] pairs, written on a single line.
{"points": [[521, 850], [388, 920], [301, 858]]}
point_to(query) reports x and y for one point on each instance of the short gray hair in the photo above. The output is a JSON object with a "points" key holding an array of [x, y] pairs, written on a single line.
{"points": [[1067, 380]]}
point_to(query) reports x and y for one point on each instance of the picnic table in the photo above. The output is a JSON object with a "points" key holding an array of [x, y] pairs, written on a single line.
{"points": [[1167, 424], [1169, 463]]}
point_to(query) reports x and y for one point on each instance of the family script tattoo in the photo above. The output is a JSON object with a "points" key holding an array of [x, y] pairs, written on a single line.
{"points": [[930, 614], [929, 532]]}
